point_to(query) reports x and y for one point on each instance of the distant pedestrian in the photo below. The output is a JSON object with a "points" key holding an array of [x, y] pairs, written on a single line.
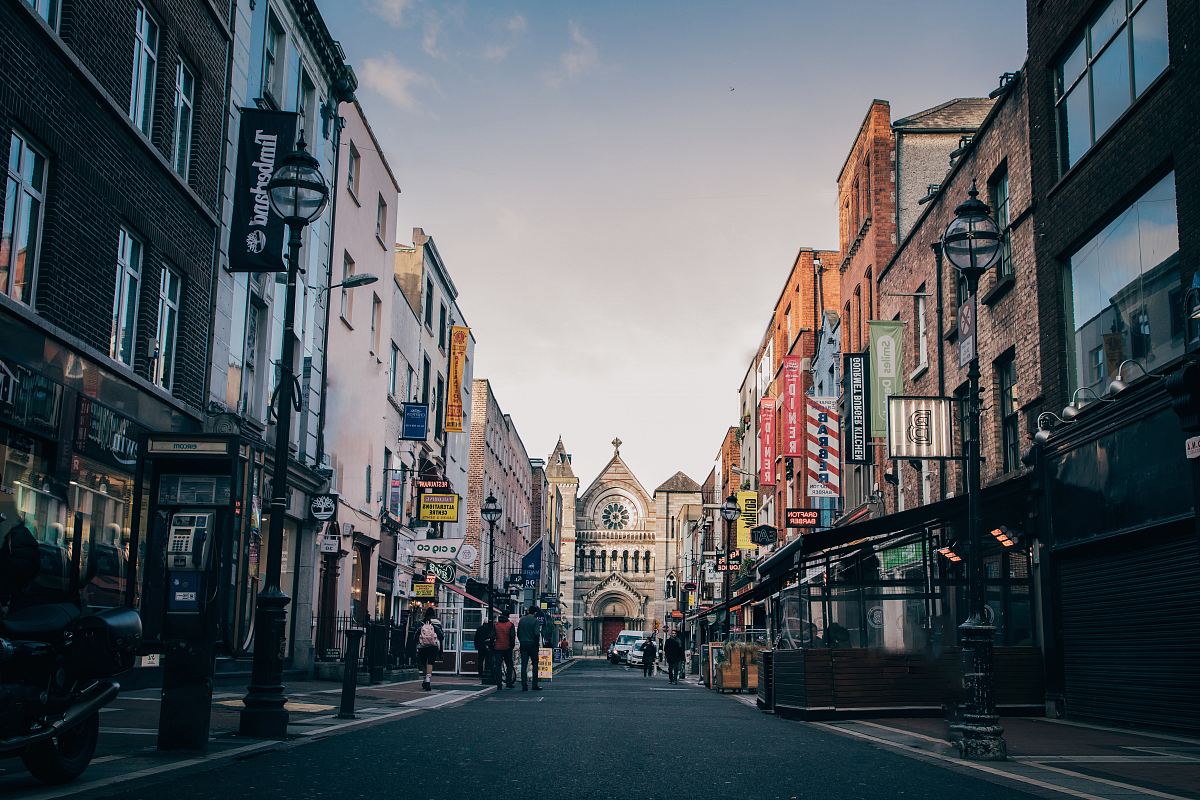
{"points": [[502, 656], [564, 647], [673, 649], [485, 640], [529, 632], [430, 638], [649, 653]]}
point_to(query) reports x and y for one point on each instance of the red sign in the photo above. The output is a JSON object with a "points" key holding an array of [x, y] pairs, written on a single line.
{"points": [[766, 441], [793, 408], [803, 517], [434, 484]]}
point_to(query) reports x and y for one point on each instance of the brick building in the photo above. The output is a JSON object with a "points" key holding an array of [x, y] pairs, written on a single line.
{"points": [[107, 254], [1113, 111]]}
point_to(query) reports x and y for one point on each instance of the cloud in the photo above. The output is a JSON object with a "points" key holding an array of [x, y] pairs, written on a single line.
{"points": [[392, 11], [394, 81], [579, 59], [429, 40], [516, 24], [496, 52]]}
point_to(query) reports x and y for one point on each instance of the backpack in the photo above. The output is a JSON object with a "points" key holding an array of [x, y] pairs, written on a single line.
{"points": [[428, 636]]}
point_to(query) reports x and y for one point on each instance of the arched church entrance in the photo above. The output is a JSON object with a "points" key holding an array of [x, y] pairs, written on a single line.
{"points": [[612, 614]]}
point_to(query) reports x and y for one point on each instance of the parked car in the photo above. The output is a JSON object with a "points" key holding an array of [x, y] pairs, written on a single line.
{"points": [[618, 652]]}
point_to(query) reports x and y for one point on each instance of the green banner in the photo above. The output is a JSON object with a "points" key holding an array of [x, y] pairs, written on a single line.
{"points": [[887, 365]]}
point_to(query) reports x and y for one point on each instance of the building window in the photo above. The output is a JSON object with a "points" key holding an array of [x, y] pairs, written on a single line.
{"points": [[272, 73], [920, 328], [425, 380], [367, 499], [441, 405], [998, 189], [1010, 442], [346, 308], [304, 104], [168, 325], [408, 385], [381, 220], [393, 370], [429, 304], [21, 236], [125, 299], [1115, 59], [442, 327], [672, 591], [145, 60], [625, 561], [603, 561], [376, 314], [185, 103], [47, 10], [352, 168], [1117, 290]]}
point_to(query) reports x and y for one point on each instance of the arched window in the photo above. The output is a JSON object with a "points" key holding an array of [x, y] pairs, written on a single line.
{"points": [[671, 586], [603, 561], [579, 556], [648, 562], [625, 561], [614, 561], [592, 561]]}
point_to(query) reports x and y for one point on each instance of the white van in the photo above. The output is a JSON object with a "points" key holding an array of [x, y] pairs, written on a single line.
{"points": [[618, 651]]}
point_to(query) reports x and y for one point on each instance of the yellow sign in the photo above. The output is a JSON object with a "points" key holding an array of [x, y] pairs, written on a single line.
{"points": [[425, 589], [545, 664], [459, 337], [748, 503], [438, 508]]}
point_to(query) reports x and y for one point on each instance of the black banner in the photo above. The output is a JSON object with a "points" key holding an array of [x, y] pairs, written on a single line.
{"points": [[256, 234], [856, 422]]}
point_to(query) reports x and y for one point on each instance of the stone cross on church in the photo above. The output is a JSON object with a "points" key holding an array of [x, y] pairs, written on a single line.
{"points": [[616, 443]]}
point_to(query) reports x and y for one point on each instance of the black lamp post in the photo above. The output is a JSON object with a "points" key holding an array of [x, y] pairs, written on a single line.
{"points": [[729, 512], [298, 194], [972, 243], [491, 512]]}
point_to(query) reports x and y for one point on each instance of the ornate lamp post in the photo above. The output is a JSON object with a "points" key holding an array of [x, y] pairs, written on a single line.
{"points": [[730, 511], [298, 194], [491, 512], [972, 243]]}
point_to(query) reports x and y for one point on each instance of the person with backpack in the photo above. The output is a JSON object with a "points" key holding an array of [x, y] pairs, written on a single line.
{"points": [[429, 646], [502, 656], [673, 649], [485, 641], [529, 633]]}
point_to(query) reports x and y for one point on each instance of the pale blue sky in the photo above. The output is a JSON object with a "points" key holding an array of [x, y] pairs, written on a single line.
{"points": [[619, 188]]}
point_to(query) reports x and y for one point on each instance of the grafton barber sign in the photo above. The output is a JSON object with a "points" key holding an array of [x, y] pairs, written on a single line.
{"points": [[256, 231]]}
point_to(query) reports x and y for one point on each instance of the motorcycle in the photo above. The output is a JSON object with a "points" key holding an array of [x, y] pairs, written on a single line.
{"points": [[57, 664]]}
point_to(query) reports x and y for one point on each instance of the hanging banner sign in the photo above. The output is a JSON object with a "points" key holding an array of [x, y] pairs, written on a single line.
{"points": [[531, 567], [919, 427], [858, 403], [766, 441], [966, 332], [887, 338], [438, 508], [256, 232], [459, 337], [748, 503], [416, 422], [793, 407], [824, 464]]}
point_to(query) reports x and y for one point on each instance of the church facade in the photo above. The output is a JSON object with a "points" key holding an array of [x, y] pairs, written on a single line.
{"points": [[617, 556]]}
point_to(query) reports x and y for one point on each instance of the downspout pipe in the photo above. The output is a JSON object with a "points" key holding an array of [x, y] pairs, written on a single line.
{"points": [[941, 349]]}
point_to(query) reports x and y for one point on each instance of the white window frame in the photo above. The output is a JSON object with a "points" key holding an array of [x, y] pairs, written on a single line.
{"points": [[376, 322], [185, 100], [346, 309], [168, 309], [145, 68], [130, 254], [352, 170], [274, 49], [921, 322], [393, 370], [17, 189], [381, 211]]}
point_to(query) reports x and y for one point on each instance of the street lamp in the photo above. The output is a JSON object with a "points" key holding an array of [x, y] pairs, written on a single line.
{"points": [[298, 194], [972, 243], [491, 512], [729, 512]]}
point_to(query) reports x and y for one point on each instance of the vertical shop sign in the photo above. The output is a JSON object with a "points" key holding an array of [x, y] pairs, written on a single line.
{"points": [[824, 462], [459, 337], [793, 410], [748, 503], [256, 234], [887, 337], [858, 404], [766, 441]]}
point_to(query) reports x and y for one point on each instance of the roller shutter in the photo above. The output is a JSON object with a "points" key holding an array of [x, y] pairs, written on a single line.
{"points": [[1131, 628]]}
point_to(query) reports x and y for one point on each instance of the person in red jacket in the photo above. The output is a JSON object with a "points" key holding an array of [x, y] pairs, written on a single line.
{"points": [[502, 656]]}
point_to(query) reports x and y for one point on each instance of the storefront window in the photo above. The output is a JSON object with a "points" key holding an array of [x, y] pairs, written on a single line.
{"points": [[1120, 288], [101, 520]]}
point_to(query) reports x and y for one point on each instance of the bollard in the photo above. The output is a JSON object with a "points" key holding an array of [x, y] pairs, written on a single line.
{"points": [[350, 673]]}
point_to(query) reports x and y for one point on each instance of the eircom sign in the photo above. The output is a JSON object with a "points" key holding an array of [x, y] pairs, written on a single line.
{"points": [[438, 549]]}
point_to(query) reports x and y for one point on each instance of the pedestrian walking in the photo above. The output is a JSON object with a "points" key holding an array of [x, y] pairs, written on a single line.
{"points": [[430, 638], [502, 656], [649, 653], [673, 649], [485, 641], [529, 633]]}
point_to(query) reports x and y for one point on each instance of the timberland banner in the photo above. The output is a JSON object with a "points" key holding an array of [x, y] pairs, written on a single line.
{"points": [[886, 369], [793, 408], [256, 232], [459, 336]]}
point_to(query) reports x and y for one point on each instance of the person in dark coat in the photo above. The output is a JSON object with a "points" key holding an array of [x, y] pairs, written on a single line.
{"points": [[529, 633], [649, 654], [673, 650], [485, 641], [502, 656]]}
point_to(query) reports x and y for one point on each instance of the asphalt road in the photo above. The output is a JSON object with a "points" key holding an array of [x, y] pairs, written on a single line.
{"points": [[597, 731]]}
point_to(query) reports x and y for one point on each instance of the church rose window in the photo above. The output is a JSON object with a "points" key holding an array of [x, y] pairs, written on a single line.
{"points": [[615, 516]]}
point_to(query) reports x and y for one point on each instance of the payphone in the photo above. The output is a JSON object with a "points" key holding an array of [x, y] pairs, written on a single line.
{"points": [[189, 543]]}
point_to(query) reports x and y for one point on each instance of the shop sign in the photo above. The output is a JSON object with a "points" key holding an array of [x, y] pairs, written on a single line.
{"points": [[29, 399], [438, 550], [531, 567], [425, 590], [323, 507], [690, 586], [438, 508], [824, 463], [459, 337], [766, 441], [887, 365], [416, 422], [104, 435], [919, 427], [803, 517], [256, 233], [748, 503], [1192, 447], [545, 664], [331, 543], [188, 446], [966, 332], [858, 402], [793, 407], [764, 535], [432, 484], [443, 572]]}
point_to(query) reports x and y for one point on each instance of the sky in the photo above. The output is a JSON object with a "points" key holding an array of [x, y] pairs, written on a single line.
{"points": [[619, 189]]}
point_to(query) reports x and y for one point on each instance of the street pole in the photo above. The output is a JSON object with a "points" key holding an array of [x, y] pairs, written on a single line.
{"points": [[491, 566], [725, 591], [264, 715]]}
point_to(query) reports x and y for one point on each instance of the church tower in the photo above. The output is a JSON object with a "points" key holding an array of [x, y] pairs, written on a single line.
{"points": [[564, 489]]}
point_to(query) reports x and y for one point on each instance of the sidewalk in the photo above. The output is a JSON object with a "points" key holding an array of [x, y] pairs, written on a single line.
{"points": [[129, 729], [1074, 758]]}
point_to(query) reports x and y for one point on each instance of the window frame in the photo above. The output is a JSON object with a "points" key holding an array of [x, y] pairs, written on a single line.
{"points": [[376, 322], [393, 369], [1001, 209], [49, 10], [381, 211], [145, 68], [442, 312], [353, 162], [921, 328], [274, 46], [16, 196], [128, 246], [346, 301], [429, 304], [183, 99], [164, 363]]}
